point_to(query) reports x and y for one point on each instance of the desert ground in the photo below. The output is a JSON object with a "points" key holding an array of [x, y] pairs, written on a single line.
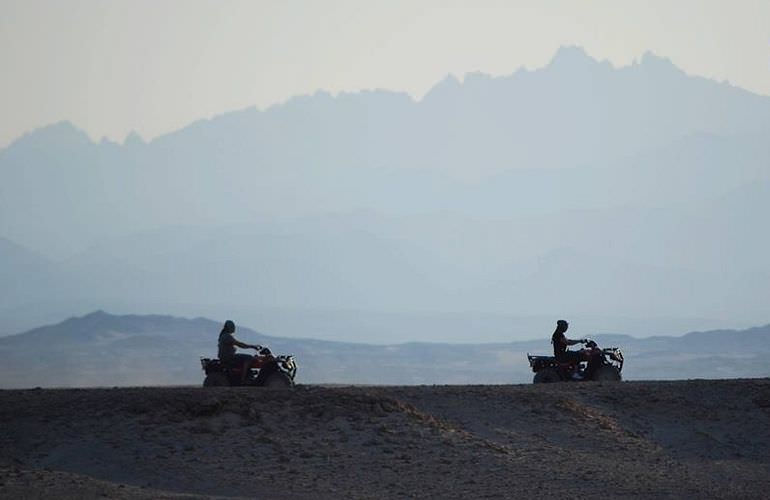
{"points": [[691, 439]]}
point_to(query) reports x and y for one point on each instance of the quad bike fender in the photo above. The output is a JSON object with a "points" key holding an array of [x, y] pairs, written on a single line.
{"points": [[267, 369]]}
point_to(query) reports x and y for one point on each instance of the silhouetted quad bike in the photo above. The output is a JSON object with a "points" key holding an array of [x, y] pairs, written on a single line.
{"points": [[604, 365], [265, 370]]}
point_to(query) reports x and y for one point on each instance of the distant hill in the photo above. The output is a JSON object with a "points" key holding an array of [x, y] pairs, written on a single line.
{"points": [[101, 349], [23, 273]]}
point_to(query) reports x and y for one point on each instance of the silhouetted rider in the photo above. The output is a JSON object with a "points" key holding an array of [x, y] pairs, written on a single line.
{"points": [[560, 343], [227, 345]]}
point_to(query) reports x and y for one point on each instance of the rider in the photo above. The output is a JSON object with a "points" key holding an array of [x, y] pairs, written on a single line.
{"points": [[227, 345], [560, 343]]}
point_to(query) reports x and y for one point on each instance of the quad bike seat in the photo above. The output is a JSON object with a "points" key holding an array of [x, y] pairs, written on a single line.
{"points": [[540, 362], [215, 364]]}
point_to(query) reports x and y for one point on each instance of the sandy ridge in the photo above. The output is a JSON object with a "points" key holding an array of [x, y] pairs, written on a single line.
{"points": [[707, 439]]}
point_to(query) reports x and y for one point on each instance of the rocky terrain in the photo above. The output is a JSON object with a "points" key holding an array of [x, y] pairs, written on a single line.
{"points": [[694, 439]]}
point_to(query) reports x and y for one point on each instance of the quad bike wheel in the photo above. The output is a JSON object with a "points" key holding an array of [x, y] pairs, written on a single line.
{"points": [[278, 380], [607, 373], [215, 380], [546, 376]]}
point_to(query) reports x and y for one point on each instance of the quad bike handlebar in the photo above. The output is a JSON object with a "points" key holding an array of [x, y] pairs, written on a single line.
{"points": [[263, 351], [286, 360]]}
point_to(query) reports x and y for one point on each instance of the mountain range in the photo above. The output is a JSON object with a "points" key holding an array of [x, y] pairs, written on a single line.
{"points": [[101, 349], [634, 198]]}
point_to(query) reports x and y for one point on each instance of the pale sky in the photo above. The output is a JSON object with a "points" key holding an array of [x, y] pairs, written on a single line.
{"points": [[155, 66]]}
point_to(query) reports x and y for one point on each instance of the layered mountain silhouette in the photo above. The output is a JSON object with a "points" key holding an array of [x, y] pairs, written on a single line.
{"points": [[634, 196], [101, 349]]}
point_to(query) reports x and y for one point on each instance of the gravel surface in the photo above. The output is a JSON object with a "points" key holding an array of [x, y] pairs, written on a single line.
{"points": [[694, 439]]}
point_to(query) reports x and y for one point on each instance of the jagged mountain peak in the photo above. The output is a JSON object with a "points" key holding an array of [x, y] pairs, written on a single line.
{"points": [[53, 136], [571, 54], [658, 64], [447, 86], [133, 139]]}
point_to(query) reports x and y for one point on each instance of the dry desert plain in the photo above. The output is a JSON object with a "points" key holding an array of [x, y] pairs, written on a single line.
{"points": [[682, 439]]}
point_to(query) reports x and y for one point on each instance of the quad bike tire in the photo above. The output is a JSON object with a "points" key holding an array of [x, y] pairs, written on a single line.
{"points": [[216, 380], [546, 376], [606, 373], [278, 380]]}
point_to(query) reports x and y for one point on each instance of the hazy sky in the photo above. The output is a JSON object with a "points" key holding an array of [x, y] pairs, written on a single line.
{"points": [[154, 66]]}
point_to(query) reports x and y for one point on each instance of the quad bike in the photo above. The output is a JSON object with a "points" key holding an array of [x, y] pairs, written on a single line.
{"points": [[265, 370], [603, 365]]}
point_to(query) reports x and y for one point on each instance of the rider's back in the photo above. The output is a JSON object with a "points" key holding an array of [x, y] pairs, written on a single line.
{"points": [[559, 344], [226, 346]]}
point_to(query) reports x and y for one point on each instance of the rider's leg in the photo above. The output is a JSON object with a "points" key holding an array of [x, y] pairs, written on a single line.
{"points": [[243, 361], [574, 358], [245, 370]]}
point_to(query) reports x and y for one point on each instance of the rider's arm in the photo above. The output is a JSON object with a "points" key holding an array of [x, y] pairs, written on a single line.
{"points": [[573, 342], [240, 344]]}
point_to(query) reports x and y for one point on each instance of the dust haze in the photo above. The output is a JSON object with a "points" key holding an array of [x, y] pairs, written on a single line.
{"points": [[629, 199]]}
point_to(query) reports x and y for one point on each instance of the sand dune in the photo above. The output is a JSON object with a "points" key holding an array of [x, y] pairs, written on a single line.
{"points": [[696, 439]]}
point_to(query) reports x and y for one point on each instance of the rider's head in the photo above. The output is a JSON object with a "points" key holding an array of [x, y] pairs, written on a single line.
{"points": [[562, 325], [229, 327]]}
